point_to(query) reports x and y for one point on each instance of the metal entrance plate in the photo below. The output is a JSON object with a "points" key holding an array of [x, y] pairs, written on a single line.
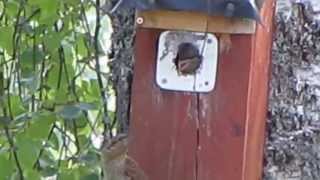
{"points": [[167, 75]]}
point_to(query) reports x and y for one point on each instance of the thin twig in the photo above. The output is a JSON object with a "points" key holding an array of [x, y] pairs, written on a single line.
{"points": [[106, 119], [75, 133], [14, 152], [37, 163], [15, 42]]}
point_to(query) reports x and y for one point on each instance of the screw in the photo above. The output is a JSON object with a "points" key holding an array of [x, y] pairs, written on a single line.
{"points": [[209, 41], [140, 20], [206, 83], [164, 81]]}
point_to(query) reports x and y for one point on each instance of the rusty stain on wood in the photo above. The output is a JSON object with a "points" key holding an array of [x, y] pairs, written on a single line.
{"points": [[210, 136], [193, 21]]}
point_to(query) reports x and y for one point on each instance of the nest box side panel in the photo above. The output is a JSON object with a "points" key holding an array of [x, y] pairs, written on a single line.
{"points": [[163, 127], [258, 96], [223, 115]]}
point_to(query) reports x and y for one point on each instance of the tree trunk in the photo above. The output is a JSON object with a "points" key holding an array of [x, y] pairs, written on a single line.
{"points": [[293, 144]]}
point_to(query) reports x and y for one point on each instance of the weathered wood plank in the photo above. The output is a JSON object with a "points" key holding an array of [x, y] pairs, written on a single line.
{"points": [[193, 21], [258, 95], [233, 117], [163, 127], [223, 115]]}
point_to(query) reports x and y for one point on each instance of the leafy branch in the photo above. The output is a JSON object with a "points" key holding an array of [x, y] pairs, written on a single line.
{"points": [[47, 91]]}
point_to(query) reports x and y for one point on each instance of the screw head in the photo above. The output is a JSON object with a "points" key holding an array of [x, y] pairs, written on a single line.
{"points": [[164, 81], [139, 20]]}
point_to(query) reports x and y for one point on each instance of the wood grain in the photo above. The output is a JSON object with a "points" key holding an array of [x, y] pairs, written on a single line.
{"points": [[232, 123], [193, 21], [223, 115], [206, 136], [162, 129], [258, 95]]}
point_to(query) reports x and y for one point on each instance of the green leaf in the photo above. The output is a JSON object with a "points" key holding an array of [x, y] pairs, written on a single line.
{"points": [[83, 140], [53, 75], [93, 91], [33, 174], [69, 112], [27, 151], [30, 56], [1, 7], [4, 121], [61, 95], [12, 8], [21, 119], [17, 106], [81, 46], [82, 121], [52, 42], [68, 174], [49, 10], [49, 172], [87, 106], [3, 143], [41, 126], [74, 2], [6, 36], [89, 172], [69, 57], [90, 159], [54, 142], [6, 166], [92, 176]]}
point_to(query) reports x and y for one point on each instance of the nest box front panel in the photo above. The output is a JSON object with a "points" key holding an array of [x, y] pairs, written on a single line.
{"points": [[214, 135], [178, 135]]}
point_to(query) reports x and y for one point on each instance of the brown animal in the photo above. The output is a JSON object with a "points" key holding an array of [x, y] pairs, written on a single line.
{"points": [[225, 42], [116, 162]]}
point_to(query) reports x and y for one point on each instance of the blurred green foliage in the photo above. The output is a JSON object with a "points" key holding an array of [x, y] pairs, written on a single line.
{"points": [[56, 102]]}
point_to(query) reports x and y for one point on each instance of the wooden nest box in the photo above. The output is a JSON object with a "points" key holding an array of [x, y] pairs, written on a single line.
{"points": [[193, 135]]}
